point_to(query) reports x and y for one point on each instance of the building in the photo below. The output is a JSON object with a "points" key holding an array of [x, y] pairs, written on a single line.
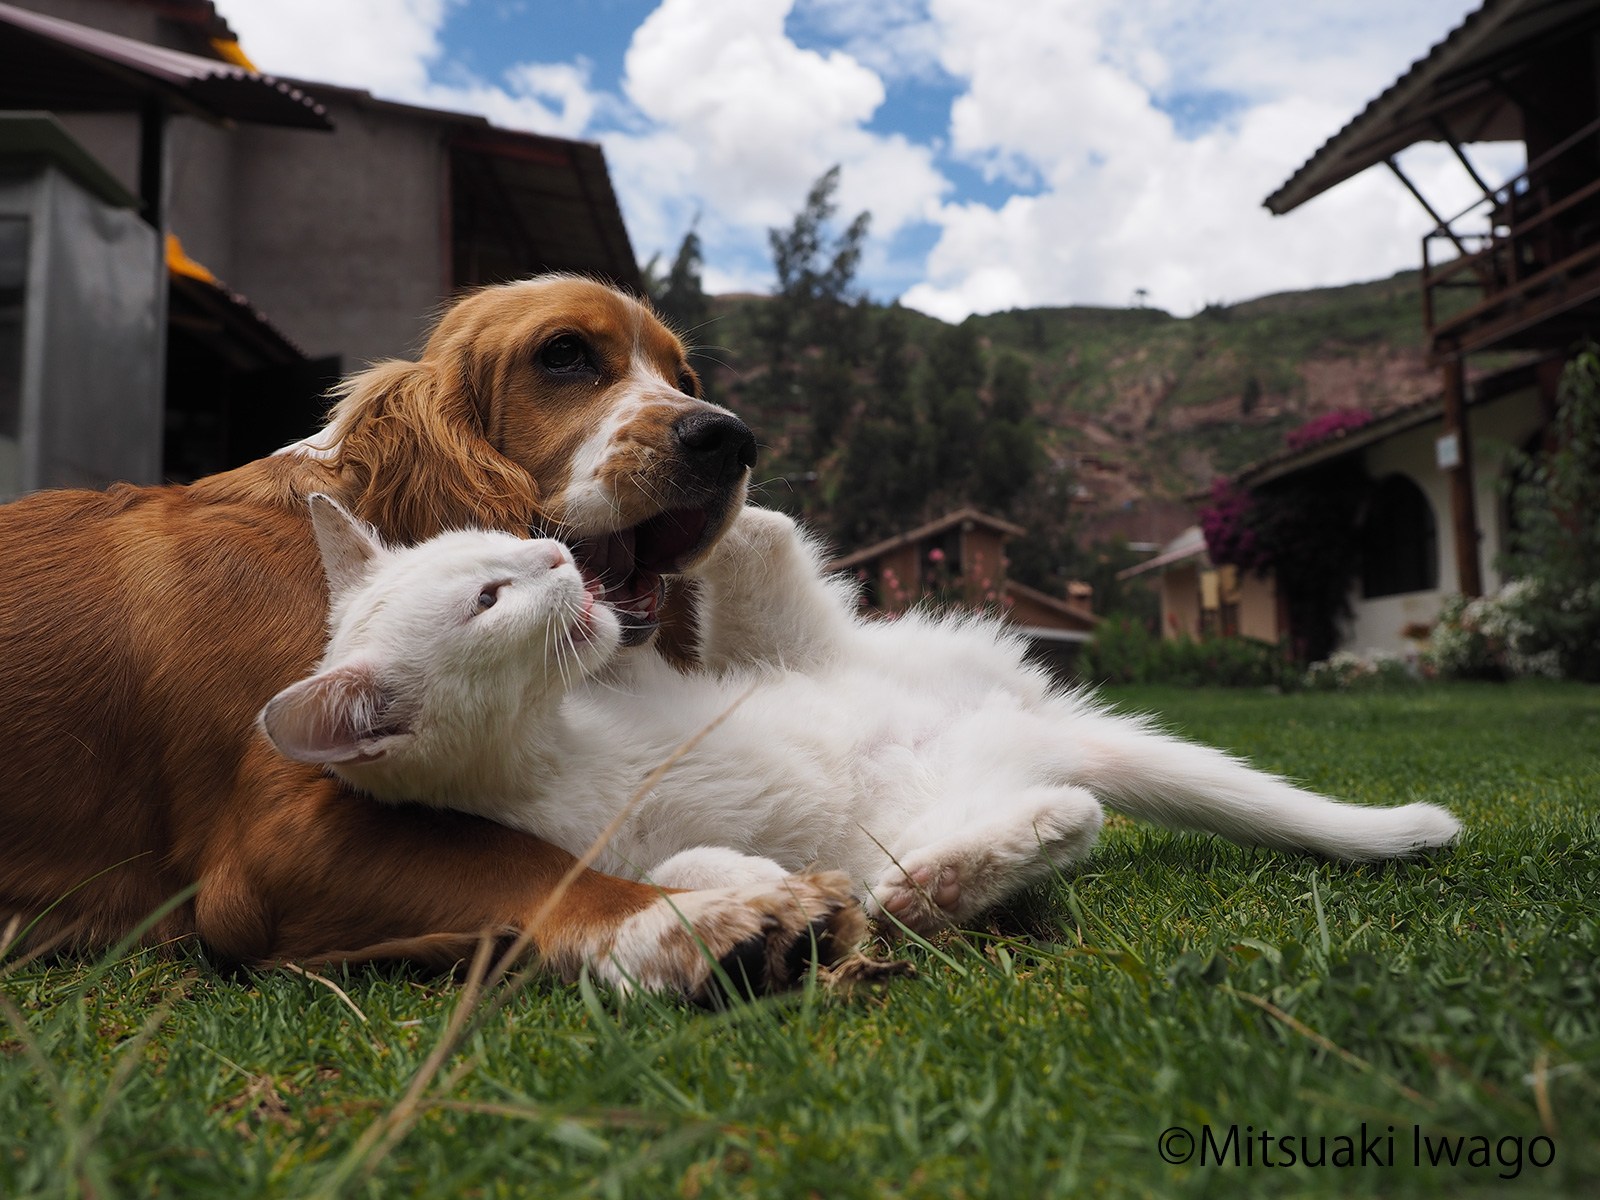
{"points": [[1406, 561], [1516, 275], [960, 560], [291, 232], [1519, 269], [1201, 599]]}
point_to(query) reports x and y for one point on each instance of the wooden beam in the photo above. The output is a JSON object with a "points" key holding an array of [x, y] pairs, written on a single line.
{"points": [[1461, 156], [153, 164], [1443, 225], [1463, 514]]}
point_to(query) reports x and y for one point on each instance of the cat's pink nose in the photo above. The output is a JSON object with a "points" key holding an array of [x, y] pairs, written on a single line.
{"points": [[550, 553]]}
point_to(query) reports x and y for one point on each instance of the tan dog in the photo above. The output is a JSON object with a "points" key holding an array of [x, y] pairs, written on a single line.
{"points": [[142, 629]]}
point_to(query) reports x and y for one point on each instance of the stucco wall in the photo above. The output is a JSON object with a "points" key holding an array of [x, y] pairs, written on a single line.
{"points": [[1497, 427], [1258, 607], [1180, 602], [341, 238]]}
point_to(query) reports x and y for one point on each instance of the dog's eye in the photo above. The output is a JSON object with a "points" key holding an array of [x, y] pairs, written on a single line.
{"points": [[489, 595], [689, 383], [564, 355]]}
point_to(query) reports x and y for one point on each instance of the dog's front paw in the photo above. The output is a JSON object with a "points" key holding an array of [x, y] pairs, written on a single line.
{"points": [[756, 938]]}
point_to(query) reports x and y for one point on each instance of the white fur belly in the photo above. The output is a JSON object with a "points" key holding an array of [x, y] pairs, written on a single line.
{"points": [[796, 774]]}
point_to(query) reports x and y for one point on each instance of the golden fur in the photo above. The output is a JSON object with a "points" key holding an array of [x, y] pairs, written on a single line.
{"points": [[142, 629]]}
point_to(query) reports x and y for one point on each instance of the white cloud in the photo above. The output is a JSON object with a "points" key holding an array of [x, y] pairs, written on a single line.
{"points": [[741, 137], [1128, 202], [1145, 136], [760, 118], [385, 46], [894, 38]]}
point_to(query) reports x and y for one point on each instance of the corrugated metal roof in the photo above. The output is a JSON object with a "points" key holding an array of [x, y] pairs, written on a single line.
{"points": [[1458, 83], [46, 62], [525, 202]]}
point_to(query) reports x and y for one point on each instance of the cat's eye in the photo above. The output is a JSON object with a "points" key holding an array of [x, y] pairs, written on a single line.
{"points": [[489, 595]]}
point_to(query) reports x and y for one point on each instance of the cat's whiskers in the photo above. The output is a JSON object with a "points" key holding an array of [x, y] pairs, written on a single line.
{"points": [[552, 652], [561, 646], [562, 640]]}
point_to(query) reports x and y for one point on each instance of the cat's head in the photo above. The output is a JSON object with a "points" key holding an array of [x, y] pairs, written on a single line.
{"points": [[435, 651]]}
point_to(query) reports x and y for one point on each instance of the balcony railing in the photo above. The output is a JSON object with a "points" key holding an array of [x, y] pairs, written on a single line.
{"points": [[1523, 254]]}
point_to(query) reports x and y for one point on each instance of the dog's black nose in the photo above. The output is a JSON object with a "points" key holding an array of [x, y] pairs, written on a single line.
{"points": [[717, 443]]}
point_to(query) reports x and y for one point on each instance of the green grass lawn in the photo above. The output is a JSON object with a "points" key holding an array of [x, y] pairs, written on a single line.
{"points": [[1175, 983]]}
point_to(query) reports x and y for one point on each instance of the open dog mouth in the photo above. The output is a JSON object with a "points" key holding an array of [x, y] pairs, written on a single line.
{"points": [[629, 565]]}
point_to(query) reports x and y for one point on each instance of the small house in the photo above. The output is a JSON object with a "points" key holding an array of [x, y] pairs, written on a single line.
{"points": [[1201, 599], [960, 560]]}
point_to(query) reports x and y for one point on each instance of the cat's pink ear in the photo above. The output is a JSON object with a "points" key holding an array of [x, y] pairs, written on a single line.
{"points": [[348, 546], [341, 715]]}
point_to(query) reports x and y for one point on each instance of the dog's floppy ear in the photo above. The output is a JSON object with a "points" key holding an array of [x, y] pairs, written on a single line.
{"points": [[349, 547], [411, 439], [340, 715]]}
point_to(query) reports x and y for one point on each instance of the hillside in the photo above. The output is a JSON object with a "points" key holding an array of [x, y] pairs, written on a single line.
{"points": [[1143, 408]]}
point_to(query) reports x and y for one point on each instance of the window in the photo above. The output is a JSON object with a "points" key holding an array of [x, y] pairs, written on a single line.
{"points": [[1399, 541]]}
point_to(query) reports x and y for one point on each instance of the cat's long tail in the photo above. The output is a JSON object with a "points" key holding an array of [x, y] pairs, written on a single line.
{"points": [[1137, 769]]}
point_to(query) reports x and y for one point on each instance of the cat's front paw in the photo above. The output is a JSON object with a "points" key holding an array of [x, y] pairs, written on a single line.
{"points": [[713, 867], [760, 938], [757, 536]]}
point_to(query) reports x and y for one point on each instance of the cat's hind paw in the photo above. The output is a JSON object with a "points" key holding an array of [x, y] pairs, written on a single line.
{"points": [[924, 899], [939, 885]]}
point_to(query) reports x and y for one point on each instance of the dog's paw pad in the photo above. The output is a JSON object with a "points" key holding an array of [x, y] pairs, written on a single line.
{"points": [[753, 939]]}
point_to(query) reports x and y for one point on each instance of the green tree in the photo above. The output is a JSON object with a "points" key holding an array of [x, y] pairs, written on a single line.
{"points": [[1556, 512], [1009, 452], [812, 330], [950, 380], [883, 475], [680, 295]]}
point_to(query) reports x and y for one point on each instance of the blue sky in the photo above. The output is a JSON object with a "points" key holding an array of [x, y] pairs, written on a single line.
{"points": [[1013, 154]]}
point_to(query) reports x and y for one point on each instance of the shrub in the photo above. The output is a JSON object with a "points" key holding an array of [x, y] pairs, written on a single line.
{"points": [[1344, 671], [1329, 424], [1304, 530], [1491, 637], [1556, 550], [1125, 652]]}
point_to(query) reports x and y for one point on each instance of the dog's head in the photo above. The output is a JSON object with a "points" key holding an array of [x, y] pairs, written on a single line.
{"points": [[557, 405]]}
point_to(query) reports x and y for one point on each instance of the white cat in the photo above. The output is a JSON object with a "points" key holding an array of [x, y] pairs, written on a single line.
{"points": [[921, 756]]}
